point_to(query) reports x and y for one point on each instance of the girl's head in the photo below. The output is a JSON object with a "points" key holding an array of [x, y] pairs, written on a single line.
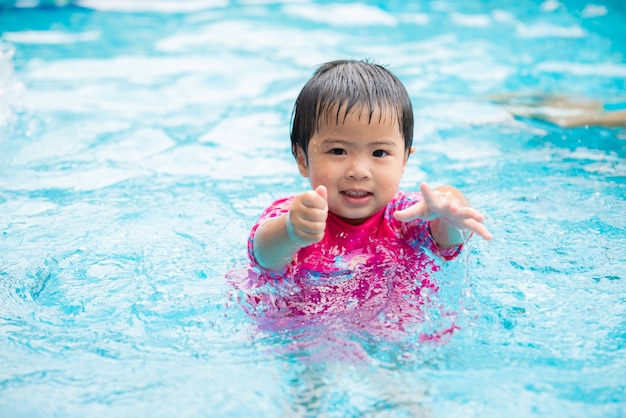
{"points": [[340, 87], [351, 133]]}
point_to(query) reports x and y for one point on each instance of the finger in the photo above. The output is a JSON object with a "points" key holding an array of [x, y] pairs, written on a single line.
{"points": [[479, 229], [427, 192], [435, 201], [313, 215], [304, 236], [467, 212], [310, 232], [412, 212], [312, 228], [322, 191], [312, 199]]}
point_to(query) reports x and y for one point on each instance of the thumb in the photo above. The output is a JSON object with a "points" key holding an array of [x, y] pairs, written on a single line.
{"points": [[321, 190], [412, 212]]}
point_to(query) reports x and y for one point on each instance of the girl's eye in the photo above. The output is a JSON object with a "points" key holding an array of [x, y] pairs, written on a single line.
{"points": [[379, 153], [337, 151]]}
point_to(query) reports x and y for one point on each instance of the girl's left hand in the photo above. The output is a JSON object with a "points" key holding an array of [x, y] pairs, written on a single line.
{"points": [[450, 205]]}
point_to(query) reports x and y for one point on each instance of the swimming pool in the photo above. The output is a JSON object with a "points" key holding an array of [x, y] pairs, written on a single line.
{"points": [[140, 141]]}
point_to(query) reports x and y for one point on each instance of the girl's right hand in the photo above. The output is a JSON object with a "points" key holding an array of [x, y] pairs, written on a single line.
{"points": [[306, 220]]}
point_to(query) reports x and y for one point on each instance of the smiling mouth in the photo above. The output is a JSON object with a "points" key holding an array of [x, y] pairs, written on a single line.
{"points": [[356, 194]]}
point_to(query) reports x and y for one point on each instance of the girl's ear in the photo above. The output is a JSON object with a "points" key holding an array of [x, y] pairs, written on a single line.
{"points": [[406, 157], [302, 162]]}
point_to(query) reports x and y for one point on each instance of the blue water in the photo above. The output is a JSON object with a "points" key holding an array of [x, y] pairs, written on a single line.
{"points": [[140, 140]]}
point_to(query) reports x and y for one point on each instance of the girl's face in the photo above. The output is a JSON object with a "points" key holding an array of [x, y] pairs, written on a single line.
{"points": [[360, 162]]}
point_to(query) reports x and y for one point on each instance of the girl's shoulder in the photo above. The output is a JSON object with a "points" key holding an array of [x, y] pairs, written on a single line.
{"points": [[278, 207], [403, 200]]}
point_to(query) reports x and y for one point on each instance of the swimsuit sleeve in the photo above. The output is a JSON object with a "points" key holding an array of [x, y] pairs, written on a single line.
{"points": [[417, 232], [278, 208]]}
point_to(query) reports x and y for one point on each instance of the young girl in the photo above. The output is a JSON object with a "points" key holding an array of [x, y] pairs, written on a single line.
{"points": [[354, 240]]}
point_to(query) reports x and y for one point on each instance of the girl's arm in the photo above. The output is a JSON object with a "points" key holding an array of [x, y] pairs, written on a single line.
{"points": [[449, 213], [278, 239]]}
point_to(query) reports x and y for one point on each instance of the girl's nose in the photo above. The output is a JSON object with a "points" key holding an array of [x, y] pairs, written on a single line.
{"points": [[358, 169]]}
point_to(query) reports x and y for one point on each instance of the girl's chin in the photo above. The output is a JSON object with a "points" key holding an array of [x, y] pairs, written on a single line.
{"points": [[354, 218]]}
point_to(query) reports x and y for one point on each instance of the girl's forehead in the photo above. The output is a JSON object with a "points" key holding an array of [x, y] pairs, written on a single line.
{"points": [[339, 114]]}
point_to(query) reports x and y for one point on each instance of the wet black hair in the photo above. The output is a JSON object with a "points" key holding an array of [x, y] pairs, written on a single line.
{"points": [[337, 87]]}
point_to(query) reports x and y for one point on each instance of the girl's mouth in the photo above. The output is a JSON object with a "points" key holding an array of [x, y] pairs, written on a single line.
{"points": [[356, 193], [356, 196]]}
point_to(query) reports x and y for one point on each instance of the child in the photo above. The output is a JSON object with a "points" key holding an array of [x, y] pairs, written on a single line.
{"points": [[354, 240]]}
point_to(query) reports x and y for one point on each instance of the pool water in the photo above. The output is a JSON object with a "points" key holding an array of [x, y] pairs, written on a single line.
{"points": [[140, 141]]}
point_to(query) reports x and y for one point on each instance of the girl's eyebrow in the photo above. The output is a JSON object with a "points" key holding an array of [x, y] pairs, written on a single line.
{"points": [[338, 141], [383, 143], [335, 141]]}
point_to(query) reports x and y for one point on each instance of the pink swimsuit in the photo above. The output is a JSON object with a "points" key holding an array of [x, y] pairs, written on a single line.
{"points": [[381, 267]]}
